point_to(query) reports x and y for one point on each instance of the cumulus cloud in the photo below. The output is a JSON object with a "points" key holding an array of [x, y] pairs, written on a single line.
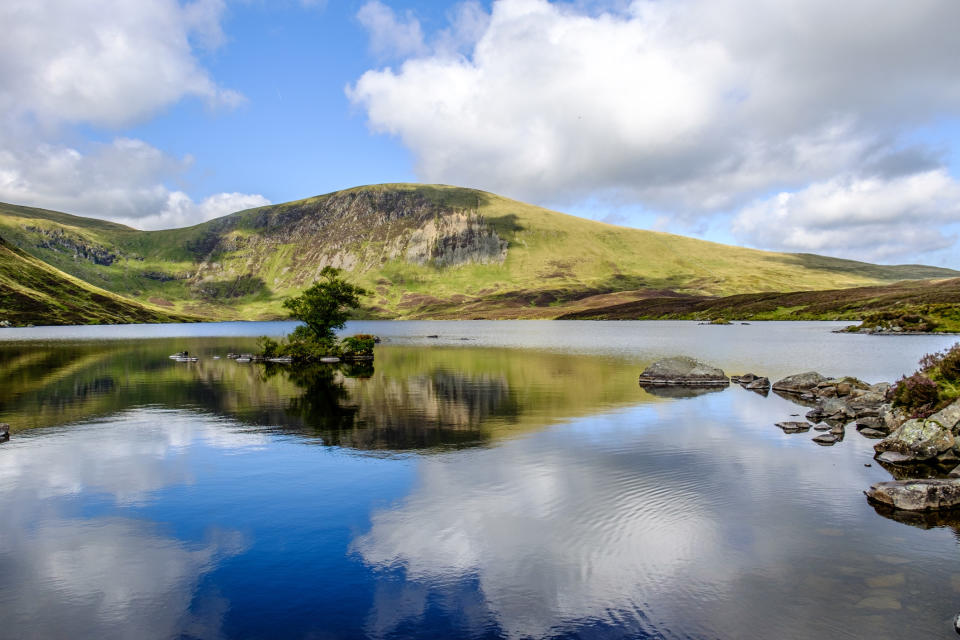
{"points": [[685, 107], [122, 181], [879, 217], [106, 63]]}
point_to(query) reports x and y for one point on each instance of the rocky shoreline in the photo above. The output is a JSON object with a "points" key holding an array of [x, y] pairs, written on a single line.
{"points": [[922, 454]]}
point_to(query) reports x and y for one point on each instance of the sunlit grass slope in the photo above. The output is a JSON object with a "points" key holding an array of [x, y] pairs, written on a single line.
{"points": [[424, 251], [33, 292]]}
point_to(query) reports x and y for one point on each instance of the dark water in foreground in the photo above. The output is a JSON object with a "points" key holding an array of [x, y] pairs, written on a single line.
{"points": [[516, 483]]}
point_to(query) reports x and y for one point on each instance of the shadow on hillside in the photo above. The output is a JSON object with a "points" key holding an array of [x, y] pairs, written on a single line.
{"points": [[239, 287]]}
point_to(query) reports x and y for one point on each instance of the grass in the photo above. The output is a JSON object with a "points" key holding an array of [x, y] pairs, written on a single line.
{"points": [[554, 264], [33, 292]]}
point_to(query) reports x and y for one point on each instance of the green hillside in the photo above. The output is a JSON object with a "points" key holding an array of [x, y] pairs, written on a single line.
{"points": [[32, 292], [424, 250]]}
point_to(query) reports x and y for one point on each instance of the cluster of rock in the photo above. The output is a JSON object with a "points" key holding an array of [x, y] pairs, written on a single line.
{"points": [[935, 439], [753, 382], [835, 403]]}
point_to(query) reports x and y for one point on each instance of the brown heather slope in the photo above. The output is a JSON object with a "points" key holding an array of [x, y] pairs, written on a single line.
{"points": [[938, 300]]}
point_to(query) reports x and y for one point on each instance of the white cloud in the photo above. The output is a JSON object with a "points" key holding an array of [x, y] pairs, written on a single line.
{"points": [[122, 181], [390, 35], [687, 107], [878, 217], [106, 63]]}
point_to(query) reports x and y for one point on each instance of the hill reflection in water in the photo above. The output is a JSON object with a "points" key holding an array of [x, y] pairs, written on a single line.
{"points": [[410, 399]]}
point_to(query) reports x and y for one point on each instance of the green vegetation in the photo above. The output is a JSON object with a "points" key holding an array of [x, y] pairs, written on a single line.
{"points": [[32, 292], [423, 251], [323, 307], [933, 386], [924, 305]]}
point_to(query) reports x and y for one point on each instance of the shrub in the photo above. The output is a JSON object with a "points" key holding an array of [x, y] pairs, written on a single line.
{"points": [[917, 393], [359, 345], [944, 365], [269, 348]]}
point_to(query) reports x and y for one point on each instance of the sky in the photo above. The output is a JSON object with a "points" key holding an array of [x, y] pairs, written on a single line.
{"points": [[789, 125]]}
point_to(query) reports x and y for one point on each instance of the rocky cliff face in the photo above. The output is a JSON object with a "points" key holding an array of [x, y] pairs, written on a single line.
{"points": [[58, 240], [354, 230]]}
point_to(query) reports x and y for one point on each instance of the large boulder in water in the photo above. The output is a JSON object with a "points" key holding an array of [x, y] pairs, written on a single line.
{"points": [[799, 383], [917, 495], [917, 440], [683, 371]]}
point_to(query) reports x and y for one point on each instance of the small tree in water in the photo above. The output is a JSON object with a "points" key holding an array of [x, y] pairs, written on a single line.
{"points": [[326, 305], [323, 308]]}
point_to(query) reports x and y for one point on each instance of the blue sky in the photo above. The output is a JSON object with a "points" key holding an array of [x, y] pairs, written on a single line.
{"points": [[791, 125]]}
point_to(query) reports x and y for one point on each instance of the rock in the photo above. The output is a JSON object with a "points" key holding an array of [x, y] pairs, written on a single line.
{"points": [[799, 382], [826, 439], [881, 387], [917, 495], [837, 430], [827, 392], [4, 431], [759, 384], [794, 427], [844, 389], [683, 371], [873, 434], [869, 423], [745, 378], [955, 473], [867, 403], [892, 418], [918, 438], [892, 457], [822, 426], [948, 417]]}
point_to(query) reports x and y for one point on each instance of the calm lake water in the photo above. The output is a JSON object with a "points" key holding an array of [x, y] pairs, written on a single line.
{"points": [[501, 480]]}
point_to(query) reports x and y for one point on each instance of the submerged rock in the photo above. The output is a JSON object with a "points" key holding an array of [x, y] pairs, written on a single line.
{"points": [[794, 427], [799, 383], [683, 371], [917, 495]]}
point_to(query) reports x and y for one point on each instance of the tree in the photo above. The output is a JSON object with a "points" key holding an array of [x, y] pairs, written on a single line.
{"points": [[326, 305]]}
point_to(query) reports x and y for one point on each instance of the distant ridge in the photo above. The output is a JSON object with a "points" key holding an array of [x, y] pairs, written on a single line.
{"points": [[425, 251]]}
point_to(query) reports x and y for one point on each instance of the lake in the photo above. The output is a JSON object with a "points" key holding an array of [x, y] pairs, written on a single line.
{"points": [[500, 480]]}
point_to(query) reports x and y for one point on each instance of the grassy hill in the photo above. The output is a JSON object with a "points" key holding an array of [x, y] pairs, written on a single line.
{"points": [[931, 300], [424, 250], [33, 292]]}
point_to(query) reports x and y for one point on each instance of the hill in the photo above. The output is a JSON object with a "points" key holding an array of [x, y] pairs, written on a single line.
{"points": [[32, 292], [935, 302], [424, 250]]}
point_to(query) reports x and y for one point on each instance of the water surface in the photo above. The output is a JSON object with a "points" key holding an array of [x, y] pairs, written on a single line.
{"points": [[503, 479]]}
